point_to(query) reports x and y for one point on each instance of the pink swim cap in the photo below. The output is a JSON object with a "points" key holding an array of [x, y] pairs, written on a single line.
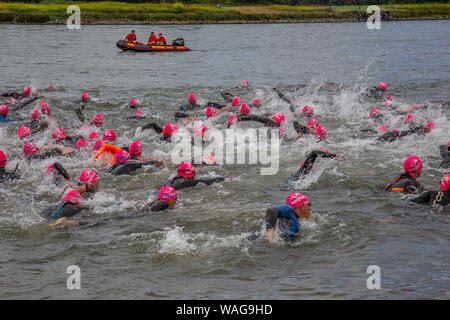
{"points": [[390, 98], [245, 109], [308, 110], [134, 103], [244, 83], [35, 115], [416, 105], [3, 159], [324, 149], [88, 176], [255, 102], [412, 165], [4, 109], [109, 135], [210, 111], [169, 129], [374, 113], [386, 104], [23, 132], [58, 134], [93, 136], [199, 130], [50, 169], [382, 129], [26, 91], [321, 133], [138, 114], [281, 131], [12, 101], [236, 102], [84, 96], [192, 98], [73, 197], [135, 148], [312, 123], [45, 108], [51, 88], [167, 193], [445, 182], [122, 156], [230, 120], [278, 118], [382, 85], [295, 200], [97, 120], [209, 159], [29, 148], [97, 145], [82, 143], [431, 125], [186, 170], [408, 118]]}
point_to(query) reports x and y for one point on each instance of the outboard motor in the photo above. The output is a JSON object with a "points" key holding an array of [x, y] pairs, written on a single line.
{"points": [[178, 42]]}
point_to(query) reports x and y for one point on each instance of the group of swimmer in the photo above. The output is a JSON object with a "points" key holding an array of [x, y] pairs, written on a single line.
{"points": [[152, 40], [127, 159]]}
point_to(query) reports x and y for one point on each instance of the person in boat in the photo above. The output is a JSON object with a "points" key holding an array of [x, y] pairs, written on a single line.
{"points": [[287, 215], [152, 39], [161, 40], [407, 182], [433, 198], [4, 174], [131, 37]]}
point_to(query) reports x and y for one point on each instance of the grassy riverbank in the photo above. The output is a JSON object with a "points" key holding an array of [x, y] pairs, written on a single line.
{"points": [[130, 13]]}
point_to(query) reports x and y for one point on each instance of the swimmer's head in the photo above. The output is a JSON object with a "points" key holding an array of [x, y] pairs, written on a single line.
{"points": [[199, 130], [186, 170], [312, 123], [58, 134], [122, 156], [97, 145], [23, 132], [135, 148], [210, 111], [4, 109], [97, 120], [244, 109], [308, 110], [300, 204], [382, 86], [382, 129], [82, 143], [12, 101], [231, 120], [139, 114], [35, 115], [109, 135], [415, 106], [72, 196], [192, 98], [51, 88], [209, 159], [374, 113], [29, 148], [445, 183], [244, 84], [45, 108], [236, 102], [431, 125], [390, 98], [133, 103], [169, 195], [26, 91], [412, 165], [408, 118], [321, 133], [279, 118], [85, 96], [256, 103], [88, 176], [169, 129], [93, 136], [3, 159]]}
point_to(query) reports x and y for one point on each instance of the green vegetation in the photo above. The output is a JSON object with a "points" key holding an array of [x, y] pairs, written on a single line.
{"points": [[120, 12]]}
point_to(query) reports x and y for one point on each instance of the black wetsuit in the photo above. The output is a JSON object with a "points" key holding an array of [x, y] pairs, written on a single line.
{"points": [[40, 156], [287, 221], [266, 121], [90, 190], [395, 135], [67, 209], [406, 184], [228, 97], [445, 154], [190, 106], [300, 128], [375, 93], [80, 115], [59, 173], [36, 126], [307, 165], [158, 205], [180, 183], [434, 198], [285, 99], [127, 168], [23, 104], [7, 175], [153, 126]]}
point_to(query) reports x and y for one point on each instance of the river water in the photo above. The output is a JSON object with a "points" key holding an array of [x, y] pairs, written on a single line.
{"points": [[200, 249]]}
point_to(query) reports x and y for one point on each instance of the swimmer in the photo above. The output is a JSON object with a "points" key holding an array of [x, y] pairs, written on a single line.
{"points": [[433, 198], [276, 121], [88, 184], [396, 135], [167, 199], [123, 165], [4, 174], [33, 153], [72, 204], [445, 154], [58, 174], [407, 182], [4, 110], [297, 207], [185, 178]]}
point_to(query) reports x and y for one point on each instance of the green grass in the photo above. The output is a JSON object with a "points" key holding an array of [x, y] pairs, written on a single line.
{"points": [[178, 12]]}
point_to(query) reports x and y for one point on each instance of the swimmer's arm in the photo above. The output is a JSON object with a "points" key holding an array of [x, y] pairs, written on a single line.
{"points": [[62, 221], [64, 150], [270, 234], [221, 110]]}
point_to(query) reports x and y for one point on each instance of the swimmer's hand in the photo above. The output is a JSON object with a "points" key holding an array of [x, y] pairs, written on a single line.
{"points": [[275, 89], [340, 156], [230, 177]]}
